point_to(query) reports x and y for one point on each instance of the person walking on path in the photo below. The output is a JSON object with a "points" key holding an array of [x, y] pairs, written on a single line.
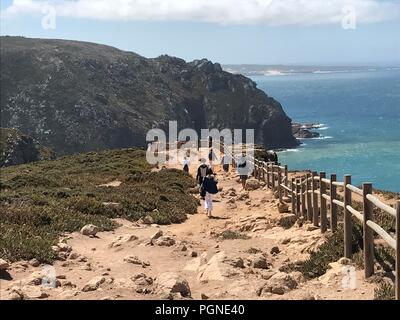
{"points": [[225, 163], [243, 170], [211, 158], [210, 187], [186, 164], [201, 174]]}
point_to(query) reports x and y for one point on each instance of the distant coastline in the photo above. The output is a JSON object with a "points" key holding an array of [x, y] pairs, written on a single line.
{"points": [[282, 70]]}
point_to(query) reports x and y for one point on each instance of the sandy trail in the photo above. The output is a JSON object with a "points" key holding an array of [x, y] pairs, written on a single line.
{"points": [[197, 246]]}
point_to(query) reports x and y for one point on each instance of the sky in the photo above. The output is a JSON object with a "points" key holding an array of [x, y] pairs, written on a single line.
{"points": [[295, 32]]}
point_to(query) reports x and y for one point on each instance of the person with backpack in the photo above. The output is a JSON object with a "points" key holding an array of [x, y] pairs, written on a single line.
{"points": [[210, 188]]}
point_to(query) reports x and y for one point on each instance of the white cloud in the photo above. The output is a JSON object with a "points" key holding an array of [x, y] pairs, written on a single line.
{"points": [[270, 12]]}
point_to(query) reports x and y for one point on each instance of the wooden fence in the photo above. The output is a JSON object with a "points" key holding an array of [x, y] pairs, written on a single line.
{"points": [[316, 198]]}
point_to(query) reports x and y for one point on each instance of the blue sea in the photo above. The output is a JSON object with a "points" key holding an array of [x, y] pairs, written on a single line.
{"points": [[359, 113]]}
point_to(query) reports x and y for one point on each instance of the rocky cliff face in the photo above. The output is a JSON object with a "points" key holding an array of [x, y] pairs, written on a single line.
{"points": [[76, 96], [17, 148]]}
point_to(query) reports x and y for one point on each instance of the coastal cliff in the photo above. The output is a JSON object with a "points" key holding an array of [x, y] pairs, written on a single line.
{"points": [[77, 97]]}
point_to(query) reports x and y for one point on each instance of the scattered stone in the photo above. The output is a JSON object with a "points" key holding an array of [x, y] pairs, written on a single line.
{"points": [[87, 267], [257, 261], [94, 284], [204, 297], [275, 250], [252, 184], [165, 241], [279, 284], [283, 208], [157, 235], [15, 295], [32, 293], [120, 240], [193, 254], [63, 247], [287, 220], [136, 260], [231, 206], [4, 264], [248, 203], [300, 222], [73, 256], [183, 248], [311, 227], [169, 283], [55, 249], [286, 240], [243, 196], [237, 262], [34, 262], [90, 230], [147, 220]]}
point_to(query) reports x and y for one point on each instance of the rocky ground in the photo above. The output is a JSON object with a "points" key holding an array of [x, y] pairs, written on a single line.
{"points": [[236, 255]]}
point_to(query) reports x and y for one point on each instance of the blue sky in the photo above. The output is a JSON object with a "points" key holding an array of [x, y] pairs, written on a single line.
{"points": [[257, 31]]}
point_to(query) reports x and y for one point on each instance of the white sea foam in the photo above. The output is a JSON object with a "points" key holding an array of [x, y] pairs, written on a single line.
{"points": [[322, 128], [291, 150]]}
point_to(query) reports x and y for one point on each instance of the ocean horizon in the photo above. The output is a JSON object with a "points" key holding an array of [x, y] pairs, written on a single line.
{"points": [[359, 122]]}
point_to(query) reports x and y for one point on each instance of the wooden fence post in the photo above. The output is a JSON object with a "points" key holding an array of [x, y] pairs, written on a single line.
{"points": [[286, 179], [308, 194], [293, 196], [333, 206], [303, 197], [298, 203], [315, 200], [322, 190], [273, 177], [347, 226], [368, 232], [279, 184], [397, 284], [263, 172], [268, 174]]}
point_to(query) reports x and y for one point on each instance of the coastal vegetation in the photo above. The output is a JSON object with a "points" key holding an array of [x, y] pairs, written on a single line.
{"points": [[40, 201]]}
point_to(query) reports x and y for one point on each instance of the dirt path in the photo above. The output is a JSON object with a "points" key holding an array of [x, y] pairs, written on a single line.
{"points": [[128, 264]]}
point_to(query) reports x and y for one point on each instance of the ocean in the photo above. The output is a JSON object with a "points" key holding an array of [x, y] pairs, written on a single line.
{"points": [[359, 117]]}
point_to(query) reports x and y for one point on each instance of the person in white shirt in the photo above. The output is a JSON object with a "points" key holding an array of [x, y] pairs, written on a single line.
{"points": [[186, 164]]}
